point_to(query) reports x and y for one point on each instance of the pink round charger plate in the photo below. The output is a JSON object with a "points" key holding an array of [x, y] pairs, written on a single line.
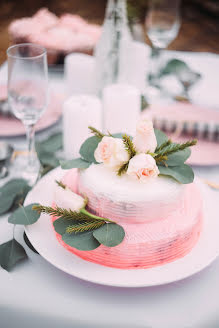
{"points": [[205, 152], [11, 127]]}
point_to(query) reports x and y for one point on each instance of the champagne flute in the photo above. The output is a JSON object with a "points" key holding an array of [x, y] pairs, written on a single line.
{"points": [[28, 95], [162, 25]]}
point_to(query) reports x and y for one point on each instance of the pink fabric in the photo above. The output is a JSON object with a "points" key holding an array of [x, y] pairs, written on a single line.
{"points": [[151, 243], [206, 151]]}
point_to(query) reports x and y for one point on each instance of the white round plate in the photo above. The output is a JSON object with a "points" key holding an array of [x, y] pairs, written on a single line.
{"points": [[42, 236]]}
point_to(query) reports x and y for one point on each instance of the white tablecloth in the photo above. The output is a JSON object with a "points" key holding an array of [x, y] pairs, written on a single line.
{"points": [[36, 294]]}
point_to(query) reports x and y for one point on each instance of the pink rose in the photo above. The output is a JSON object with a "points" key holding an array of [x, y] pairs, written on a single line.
{"points": [[142, 167], [145, 139], [111, 151]]}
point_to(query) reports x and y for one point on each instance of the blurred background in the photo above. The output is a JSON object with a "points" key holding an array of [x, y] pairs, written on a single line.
{"points": [[199, 31]]}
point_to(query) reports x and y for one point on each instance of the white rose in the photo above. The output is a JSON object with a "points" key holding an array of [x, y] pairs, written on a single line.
{"points": [[67, 199], [142, 167], [111, 151], [145, 139]]}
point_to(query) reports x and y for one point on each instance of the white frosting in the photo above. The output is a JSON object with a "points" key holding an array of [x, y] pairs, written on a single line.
{"points": [[104, 181]]}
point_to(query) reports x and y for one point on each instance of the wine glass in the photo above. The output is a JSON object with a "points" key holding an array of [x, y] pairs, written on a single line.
{"points": [[162, 24], [28, 95]]}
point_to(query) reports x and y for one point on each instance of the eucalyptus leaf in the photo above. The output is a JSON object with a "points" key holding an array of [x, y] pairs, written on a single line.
{"points": [[61, 224], [11, 193], [28, 243], [183, 173], [48, 159], [13, 186], [88, 148], [179, 157], [10, 253], [20, 198], [52, 144], [118, 135], [75, 163], [160, 136], [6, 203], [83, 241], [24, 215], [174, 66], [110, 234]]}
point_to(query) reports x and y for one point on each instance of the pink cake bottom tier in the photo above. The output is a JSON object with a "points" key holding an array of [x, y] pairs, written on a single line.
{"points": [[149, 244], [143, 255]]}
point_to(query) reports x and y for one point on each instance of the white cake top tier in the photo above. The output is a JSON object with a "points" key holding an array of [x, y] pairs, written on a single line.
{"points": [[102, 180], [123, 198]]}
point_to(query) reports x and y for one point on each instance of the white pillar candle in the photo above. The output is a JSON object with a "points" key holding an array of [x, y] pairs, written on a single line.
{"points": [[79, 74], [78, 113], [122, 106], [138, 70]]}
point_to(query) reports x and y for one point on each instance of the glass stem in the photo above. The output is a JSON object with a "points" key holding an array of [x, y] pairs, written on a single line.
{"points": [[30, 133], [156, 59]]}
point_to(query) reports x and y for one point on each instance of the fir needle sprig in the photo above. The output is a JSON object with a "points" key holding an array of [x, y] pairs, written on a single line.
{"points": [[172, 148], [58, 212], [96, 132], [129, 146], [123, 169], [163, 145], [85, 226], [60, 184]]}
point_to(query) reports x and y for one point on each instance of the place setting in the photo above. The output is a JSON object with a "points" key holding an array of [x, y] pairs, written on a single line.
{"points": [[110, 176]]}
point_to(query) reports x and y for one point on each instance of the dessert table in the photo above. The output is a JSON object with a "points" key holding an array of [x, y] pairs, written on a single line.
{"points": [[37, 294]]}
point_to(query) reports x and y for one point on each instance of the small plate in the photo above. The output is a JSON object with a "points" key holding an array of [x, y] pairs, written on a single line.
{"points": [[42, 236], [12, 127]]}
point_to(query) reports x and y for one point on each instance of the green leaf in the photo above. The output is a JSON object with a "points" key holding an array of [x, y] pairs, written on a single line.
{"points": [[13, 186], [10, 253], [83, 241], [12, 192], [110, 235], [161, 137], [20, 198], [179, 157], [118, 135], [24, 215], [28, 243], [174, 66], [183, 173], [61, 224], [47, 159], [6, 203], [52, 144], [88, 148], [75, 163]]}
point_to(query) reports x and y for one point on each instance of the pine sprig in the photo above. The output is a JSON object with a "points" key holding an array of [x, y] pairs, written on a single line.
{"points": [[60, 184], [58, 212], [173, 148], [129, 146], [163, 145], [85, 226], [96, 132], [61, 212], [123, 169]]}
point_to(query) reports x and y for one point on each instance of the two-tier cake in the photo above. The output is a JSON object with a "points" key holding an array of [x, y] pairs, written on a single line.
{"points": [[141, 185]]}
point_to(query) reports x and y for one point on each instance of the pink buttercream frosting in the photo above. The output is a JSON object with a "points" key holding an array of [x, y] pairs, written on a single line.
{"points": [[147, 243]]}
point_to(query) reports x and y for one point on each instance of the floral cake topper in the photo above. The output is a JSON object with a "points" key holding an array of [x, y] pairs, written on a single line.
{"points": [[148, 155]]}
